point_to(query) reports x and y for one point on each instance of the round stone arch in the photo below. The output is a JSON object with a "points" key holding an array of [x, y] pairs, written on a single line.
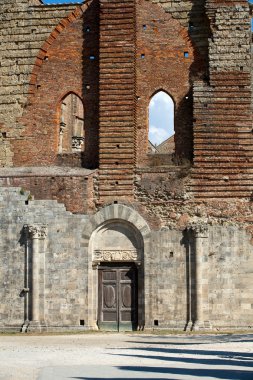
{"points": [[118, 234], [116, 240]]}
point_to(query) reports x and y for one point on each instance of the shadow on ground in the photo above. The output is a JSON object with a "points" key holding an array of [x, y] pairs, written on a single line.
{"points": [[223, 365]]}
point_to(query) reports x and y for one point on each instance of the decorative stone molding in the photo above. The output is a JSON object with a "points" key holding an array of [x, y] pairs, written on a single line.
{"points": [[62, 127], [36, 231], [77, 142], [115, 255]]}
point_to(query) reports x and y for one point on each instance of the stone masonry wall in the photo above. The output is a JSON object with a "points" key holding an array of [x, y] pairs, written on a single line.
{"points": [[65, 273], [223, 143], [169, 261], [165, 280], [229, 268], [163, 195], [226, 283], [191, 15], [216, 192]]}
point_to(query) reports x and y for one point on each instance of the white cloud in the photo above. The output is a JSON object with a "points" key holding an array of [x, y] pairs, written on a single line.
{"points": [[152, 103], [157, 135], [161, 97]]}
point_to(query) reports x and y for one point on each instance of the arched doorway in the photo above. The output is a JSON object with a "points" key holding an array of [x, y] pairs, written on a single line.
{"points": [[117, 255]]}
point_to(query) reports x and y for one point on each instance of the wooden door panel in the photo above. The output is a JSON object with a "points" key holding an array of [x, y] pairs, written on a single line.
{"points": [[109, 296], [109, 275], [126, 296], [117, 297], [109, 302], [127, 299]]}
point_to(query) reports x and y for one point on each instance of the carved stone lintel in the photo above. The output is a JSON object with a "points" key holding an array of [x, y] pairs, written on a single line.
{"points": [[199, 230], [36, 231], [115, 255]]}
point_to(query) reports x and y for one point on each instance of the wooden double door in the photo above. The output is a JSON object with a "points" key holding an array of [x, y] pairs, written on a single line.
{"points": [[117, 297]]}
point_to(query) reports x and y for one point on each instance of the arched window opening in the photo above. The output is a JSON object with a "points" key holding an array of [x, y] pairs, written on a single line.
{"points": [[161, 124], [71, 125]]}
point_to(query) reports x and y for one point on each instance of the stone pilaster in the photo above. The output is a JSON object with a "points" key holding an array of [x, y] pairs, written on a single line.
{"points": [[37, 233], [200, 319]]}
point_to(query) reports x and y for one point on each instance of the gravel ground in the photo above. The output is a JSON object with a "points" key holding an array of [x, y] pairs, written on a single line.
{"points": [[126, 356]]}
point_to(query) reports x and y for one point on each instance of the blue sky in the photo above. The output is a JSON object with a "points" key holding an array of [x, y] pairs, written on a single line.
{"points": [[76, 1], [161, 118], [81, 1], [62, 1]]}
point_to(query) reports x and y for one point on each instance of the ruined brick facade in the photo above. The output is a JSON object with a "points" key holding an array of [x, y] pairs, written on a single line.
{"points": [[182, 218]]}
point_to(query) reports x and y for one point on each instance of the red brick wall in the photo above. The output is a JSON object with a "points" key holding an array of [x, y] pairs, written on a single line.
{"points": [[163, 41], [157, 51], [136, 62], [75, 192], [117, 99], [62, 66]]}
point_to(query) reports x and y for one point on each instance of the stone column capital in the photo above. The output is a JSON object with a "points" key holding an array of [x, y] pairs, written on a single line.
{"points": [[200, 230], [36, 231]]}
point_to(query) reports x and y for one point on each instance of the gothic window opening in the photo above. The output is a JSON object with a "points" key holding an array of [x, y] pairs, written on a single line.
{"points": [[161, 124], [71, 130]]}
